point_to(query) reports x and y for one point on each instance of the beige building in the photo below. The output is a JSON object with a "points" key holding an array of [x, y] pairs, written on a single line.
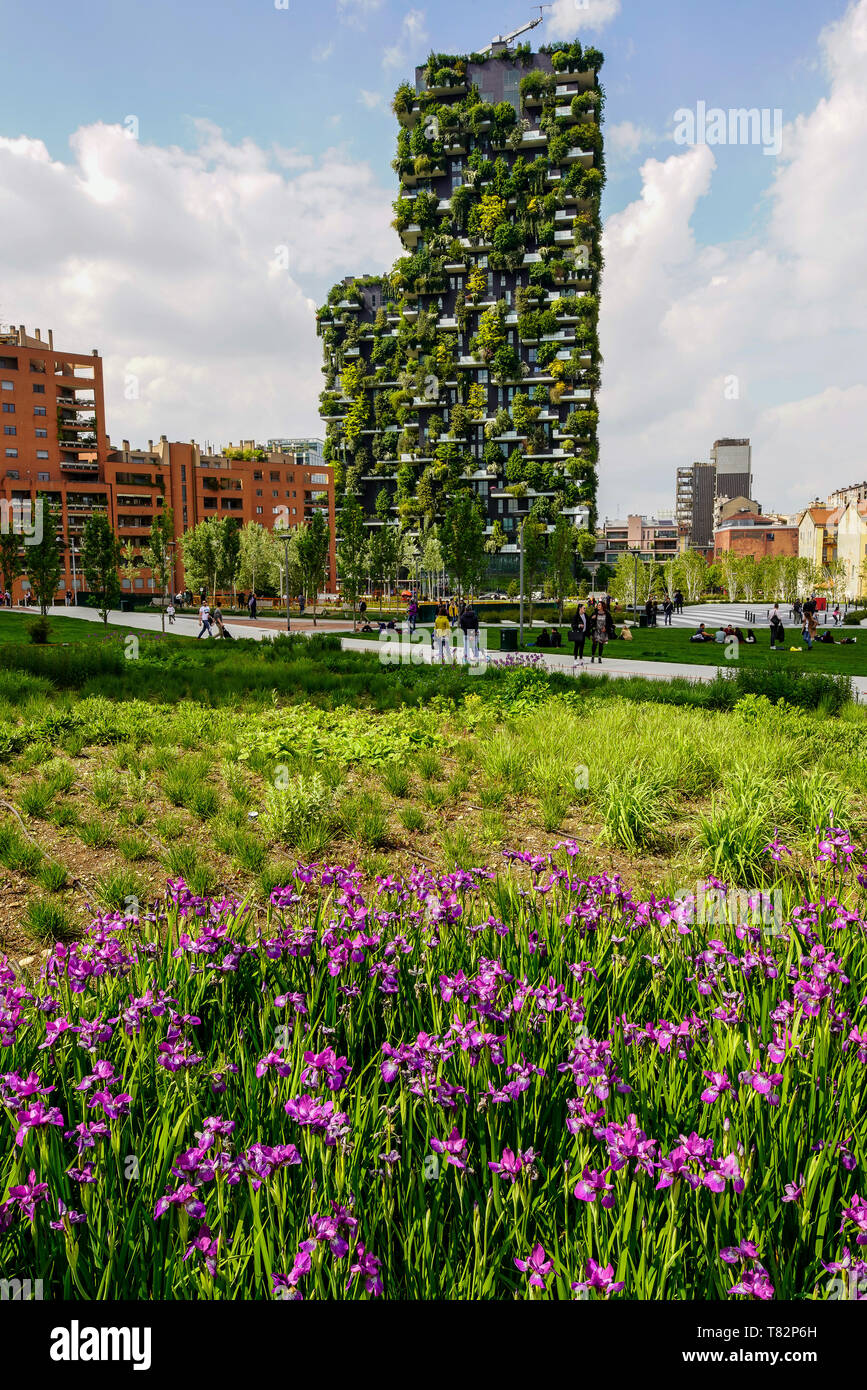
{"points": [[817, 534], [852, 548]]}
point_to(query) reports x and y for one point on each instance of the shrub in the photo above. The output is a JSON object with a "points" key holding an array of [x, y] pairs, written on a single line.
{"points": [[39, 630]]}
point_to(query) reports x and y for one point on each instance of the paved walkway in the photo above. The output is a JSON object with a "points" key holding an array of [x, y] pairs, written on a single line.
{"points": [[715, 615], [186, 626], [563, 664]]}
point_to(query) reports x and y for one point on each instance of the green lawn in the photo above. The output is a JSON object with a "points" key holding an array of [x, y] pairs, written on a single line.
{"points": [[13, 628]]}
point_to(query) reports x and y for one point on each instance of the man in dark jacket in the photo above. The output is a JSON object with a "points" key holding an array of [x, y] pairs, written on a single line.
{"points": [[778, 632], [469, 625]]}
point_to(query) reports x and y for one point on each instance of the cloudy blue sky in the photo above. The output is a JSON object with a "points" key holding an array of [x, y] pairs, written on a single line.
{"points": [[179, 185]]}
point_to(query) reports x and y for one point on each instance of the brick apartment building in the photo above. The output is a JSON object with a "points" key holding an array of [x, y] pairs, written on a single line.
{"points": [[750, 533], [656, 538], [55, 444]]}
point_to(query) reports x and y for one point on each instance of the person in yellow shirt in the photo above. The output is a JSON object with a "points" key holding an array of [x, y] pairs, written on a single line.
{"points": [[442, 641]]}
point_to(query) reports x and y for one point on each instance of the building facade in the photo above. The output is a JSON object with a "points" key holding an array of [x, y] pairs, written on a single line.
{"points": [[55, 446], [852, 548], [654, 538], [474, 362], [746, 533]]}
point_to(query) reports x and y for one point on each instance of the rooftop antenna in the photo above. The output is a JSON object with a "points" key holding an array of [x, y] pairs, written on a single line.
{"points": [[503, 40]]}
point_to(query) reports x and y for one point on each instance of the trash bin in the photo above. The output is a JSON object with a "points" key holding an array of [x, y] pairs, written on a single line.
{"points": [[508, 639], [126, 605], [642, 620]]}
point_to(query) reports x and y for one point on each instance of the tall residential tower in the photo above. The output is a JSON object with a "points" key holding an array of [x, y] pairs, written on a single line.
{"points": [[474, 362]]}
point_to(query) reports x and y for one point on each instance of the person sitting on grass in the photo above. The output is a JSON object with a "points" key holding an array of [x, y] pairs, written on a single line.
{"points": [[556, 637], [720, 635], [625, 633], [750, 637], [702, 635], [544, 638]]}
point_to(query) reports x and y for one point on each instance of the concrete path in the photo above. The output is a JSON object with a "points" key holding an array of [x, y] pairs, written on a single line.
{"points": [[715, 615], [422, 652], [185, 626]]}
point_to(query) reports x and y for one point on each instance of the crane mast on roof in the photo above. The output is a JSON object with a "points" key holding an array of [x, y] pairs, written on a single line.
{"points": [[506, 39]]}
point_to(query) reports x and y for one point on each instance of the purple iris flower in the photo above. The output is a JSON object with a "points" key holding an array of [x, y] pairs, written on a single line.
{"points": [[599, 1277], [36, 1117], [452, 1147], [537, 1265], [28, 1194]]}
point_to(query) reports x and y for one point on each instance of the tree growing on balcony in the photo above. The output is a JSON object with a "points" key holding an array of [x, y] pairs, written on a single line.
{"points": [[100, 559]]}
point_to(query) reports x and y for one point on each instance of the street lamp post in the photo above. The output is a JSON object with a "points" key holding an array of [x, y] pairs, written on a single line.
{"points": [[521, 583], [285, 539]]}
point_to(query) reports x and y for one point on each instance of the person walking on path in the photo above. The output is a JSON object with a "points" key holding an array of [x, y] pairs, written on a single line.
{"points": [[678, 601], [601, 629], [170, 614], [205, 620], [442, 635], [453, 612], [412, 613], [778, 632], [218, 619], [578, 635], [469, 623], [251, 605]]}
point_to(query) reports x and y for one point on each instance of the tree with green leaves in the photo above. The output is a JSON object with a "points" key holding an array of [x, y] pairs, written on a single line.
{"points": [[100, 560], [351, 552], [586, 544], [157, 554], [384, 553], [463, 542], [259, 557], [431, 559], [228, 551], [42, 560], [313, 542], [561, 561], [533, 541], [11, 539], [201, 547]]}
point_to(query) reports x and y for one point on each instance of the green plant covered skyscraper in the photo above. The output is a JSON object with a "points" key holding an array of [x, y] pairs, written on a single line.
{"points": [[474, 363]]}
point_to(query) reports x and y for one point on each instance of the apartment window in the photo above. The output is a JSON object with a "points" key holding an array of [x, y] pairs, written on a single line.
{"points": [[275, 477], [323, 477], [42, 453], [373, 301], [7, 385], [258, 492], [42, 434], [39, 410], [9, 429], [257, 475], [274, 492], [8, 407], [39, 390], [43, 477], [259, 511]]}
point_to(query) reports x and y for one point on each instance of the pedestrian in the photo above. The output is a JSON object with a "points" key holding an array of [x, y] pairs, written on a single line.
{"points": [[412, 613], [300, 604], [441, 635], [678, 601], [778, 632], [578, 635], [667, 610], [836, 614], [170, 614], [362, 609], [469, 623], [602, 628], [648, 613], [453, 612], [218, 619], [251, 605], [205, 620]]}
